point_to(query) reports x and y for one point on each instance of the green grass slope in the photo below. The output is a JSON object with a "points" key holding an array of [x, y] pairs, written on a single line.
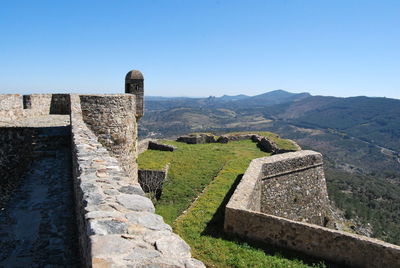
{"points": [[200, 181]]}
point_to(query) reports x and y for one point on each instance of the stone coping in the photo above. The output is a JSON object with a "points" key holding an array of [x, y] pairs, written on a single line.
{"points": [[315, 240], [117, 223]]}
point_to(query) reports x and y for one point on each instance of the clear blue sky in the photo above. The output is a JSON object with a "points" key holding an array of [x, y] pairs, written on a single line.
{"points": [[201, 48]]}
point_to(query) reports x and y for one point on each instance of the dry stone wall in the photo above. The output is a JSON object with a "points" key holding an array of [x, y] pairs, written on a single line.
{"points": [[244, 217], [117, 223]]}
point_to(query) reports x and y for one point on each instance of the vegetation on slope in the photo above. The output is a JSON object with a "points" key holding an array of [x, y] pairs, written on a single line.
{"points": [[369, 200], [192, 168]]}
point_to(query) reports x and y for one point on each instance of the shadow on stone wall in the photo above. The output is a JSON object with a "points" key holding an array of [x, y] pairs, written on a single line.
{"points": [[215, 228]]}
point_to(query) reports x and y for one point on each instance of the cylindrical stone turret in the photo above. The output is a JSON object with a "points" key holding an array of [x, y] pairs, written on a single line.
{"points": [[134, 84]]}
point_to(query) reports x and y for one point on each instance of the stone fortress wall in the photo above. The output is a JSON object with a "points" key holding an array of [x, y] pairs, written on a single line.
{"points": [[255, 211], [117, 224], [116, 221], [295, 188], [112, 119], [15, 106]]}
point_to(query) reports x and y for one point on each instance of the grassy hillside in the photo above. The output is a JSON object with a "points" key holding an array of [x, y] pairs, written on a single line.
{"points": [[359, 138], [201, 179]]}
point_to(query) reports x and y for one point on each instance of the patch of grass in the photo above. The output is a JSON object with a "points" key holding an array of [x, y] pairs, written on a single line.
{"points": [[202, 226], [211, 172]]}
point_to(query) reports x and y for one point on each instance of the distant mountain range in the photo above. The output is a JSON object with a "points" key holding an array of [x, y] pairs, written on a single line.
{"points": [[358, 136]]}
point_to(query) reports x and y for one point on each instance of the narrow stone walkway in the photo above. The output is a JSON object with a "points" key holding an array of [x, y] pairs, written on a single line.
{"points": [[37, 227]]}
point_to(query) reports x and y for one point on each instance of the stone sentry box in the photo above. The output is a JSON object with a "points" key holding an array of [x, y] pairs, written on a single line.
{"points": [[297, 178], [134, 84]]}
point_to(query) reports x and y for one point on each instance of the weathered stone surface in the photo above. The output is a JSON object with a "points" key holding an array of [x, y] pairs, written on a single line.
{"points": [[143, 145], [293, 186], [243, 216], [173, 246], [136, 202], [112, 119], [223, 139], [139, 254], [197, 138], [104, 214], [152, 181], [193, 263], [115, 220], [36, 218], [110, 244], [149, 220], [268, 145], [129, 189], [104, 227]]}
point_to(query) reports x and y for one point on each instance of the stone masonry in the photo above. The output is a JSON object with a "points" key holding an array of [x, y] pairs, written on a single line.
{"points": [[118, 227], [293, 186], [112, 119], [251, 211], [117, 224]]}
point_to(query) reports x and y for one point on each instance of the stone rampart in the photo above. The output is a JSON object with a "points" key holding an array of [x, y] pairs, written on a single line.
{"points": [[293, 186], [244, 216], [117, 223], [112, 119], [15, 106]]}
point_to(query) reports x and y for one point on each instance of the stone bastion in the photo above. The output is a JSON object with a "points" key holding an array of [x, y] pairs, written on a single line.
{"points": [[116, 222], [282, 200]]}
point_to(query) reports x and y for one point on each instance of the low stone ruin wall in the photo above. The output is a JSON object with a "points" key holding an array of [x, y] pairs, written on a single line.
{"points": [[152, 181], [143, 145], [243, 217], [117, 223], [264, 143], [152, 144], [197, 139]]}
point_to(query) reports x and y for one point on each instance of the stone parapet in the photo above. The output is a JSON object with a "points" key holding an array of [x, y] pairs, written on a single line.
{"points": [[117, 223], [16, 107], [11, 107], [112, 119], [244, 217]]}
